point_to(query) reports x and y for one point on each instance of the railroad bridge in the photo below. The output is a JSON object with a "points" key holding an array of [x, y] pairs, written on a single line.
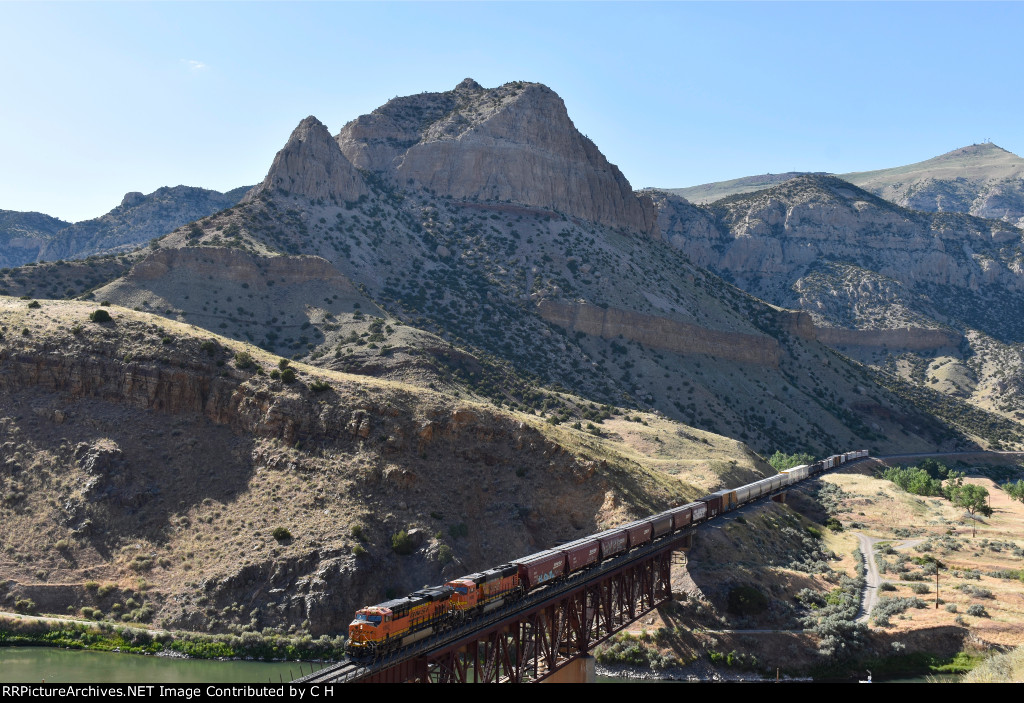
{"points": [[533, 638], [536, 637]]}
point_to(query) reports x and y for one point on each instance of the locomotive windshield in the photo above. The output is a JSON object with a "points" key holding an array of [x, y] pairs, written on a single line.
{"points": [[462, 589], [371, 619]]}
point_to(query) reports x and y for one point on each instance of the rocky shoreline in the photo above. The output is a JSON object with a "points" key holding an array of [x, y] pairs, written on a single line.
{"points": [[699, 671]]}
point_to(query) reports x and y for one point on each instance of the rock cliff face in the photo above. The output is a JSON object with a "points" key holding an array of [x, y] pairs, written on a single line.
{"points": [[28, 237], [239, 293], [513, 143], [312, 166], [661, 333], [909, 338], [982, 180], [23, 234], [232, 265], [781, 231]]}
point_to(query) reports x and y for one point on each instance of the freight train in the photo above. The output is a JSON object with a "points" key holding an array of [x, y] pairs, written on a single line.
{"points": [[387, 627]]}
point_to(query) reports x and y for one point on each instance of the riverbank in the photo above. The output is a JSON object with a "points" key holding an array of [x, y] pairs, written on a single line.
{"points": [[17, 630], [28, 665]]}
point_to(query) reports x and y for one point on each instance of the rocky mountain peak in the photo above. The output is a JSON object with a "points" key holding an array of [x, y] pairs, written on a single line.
{"points": [[468, 84], [312, 166], [133, 198], [514, 143], [983, 150]]}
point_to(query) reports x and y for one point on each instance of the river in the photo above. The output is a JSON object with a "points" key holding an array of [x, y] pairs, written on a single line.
{"points": [[36, 664]]}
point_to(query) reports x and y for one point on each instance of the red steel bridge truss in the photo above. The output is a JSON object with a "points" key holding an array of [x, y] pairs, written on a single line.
{"points": [[540, 634]]}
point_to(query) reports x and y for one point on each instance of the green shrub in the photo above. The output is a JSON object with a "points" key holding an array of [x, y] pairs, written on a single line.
{"points": [[977, 611], [281, 534], [25, 606], [99, 316], [402, 543], [34, 304], [244, 360], [357, 532], [141, 563], [319, 386], [288, 375]]}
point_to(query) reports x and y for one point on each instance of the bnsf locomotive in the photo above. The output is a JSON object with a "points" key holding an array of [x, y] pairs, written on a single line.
{"points": [[389, 626]]}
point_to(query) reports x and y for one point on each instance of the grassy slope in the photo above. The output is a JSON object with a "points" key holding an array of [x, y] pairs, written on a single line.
{"points": [[172, 506]]}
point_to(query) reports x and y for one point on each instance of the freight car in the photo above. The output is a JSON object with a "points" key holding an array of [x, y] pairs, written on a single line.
{"points": [[387, 627]]}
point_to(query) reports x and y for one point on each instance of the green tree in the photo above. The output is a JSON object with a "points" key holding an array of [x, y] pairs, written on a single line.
{"points": [[934, 468], [781, 462], [913, 480], [1014, 490], [972, 498]]}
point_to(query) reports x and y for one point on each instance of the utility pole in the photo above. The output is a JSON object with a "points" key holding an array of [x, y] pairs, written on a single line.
{"points": [[936, 586]]}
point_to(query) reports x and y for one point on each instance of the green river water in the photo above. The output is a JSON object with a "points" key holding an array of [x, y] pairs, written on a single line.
{"points": [[36, 664]]}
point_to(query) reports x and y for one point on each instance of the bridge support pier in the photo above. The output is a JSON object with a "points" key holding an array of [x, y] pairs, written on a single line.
{"points": [[580, 670]]}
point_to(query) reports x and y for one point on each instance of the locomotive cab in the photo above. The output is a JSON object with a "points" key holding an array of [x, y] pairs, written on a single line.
{"points": [[368, 629], [466, 593]]}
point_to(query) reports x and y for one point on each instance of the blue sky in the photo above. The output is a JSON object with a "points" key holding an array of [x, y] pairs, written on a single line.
{"points": [[100, 99]]}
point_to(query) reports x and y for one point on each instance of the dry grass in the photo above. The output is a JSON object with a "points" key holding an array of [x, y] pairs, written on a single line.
{"points": [[182, 515], [886, 511]]}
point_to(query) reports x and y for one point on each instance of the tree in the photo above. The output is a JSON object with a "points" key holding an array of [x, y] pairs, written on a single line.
{"points": [[1014, 490], [934, 468], [781, 462], [972, 498]]}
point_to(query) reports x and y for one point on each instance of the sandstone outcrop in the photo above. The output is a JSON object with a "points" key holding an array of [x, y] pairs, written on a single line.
{"points": [[661, 333], [312, 166], [235, 266], [512, 143], [910, 338], [779, 232]]}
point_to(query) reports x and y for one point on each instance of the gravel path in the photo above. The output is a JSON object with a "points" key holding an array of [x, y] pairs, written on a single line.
{"points": [[873, 579]]}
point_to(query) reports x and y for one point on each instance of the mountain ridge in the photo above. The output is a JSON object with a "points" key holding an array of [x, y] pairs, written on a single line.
{"points": [[138, 218], [984, 180]]}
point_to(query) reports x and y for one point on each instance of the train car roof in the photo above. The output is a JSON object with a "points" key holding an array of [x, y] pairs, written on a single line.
{"points": [[546, 554]]}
